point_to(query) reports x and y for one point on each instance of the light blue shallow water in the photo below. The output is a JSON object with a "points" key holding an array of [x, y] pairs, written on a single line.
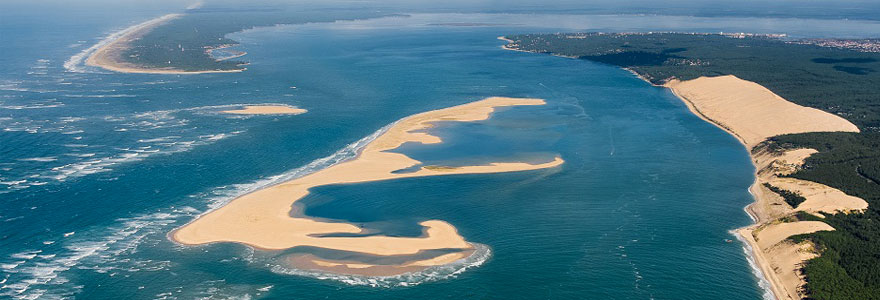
{"points": [[97, 167]]}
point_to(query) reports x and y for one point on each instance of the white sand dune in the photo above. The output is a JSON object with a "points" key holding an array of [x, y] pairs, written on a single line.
{"points": [[752, 114]]}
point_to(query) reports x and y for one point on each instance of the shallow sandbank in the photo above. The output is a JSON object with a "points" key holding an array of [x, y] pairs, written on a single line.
{"points": [[262, 219], [266, 110]]}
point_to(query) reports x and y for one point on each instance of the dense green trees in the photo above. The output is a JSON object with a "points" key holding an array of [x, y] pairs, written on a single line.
{"points": [[182, 43], [839, 81], [792, 198]]}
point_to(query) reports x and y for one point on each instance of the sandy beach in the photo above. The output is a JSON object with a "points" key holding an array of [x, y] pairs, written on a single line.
{"points": [[109, 57], [752, 114], [266, 110], [262, 219]]}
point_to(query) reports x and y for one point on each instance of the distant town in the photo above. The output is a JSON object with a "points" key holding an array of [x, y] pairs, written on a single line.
{"points": [[861, 45]]}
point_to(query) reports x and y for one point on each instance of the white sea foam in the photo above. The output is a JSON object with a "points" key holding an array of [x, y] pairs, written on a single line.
{"points": [[750, 257], [100, 95], [32, 106], [89, 163], [160, 139], [40, 159], [34, 276], [481, 254], [103, 164]]}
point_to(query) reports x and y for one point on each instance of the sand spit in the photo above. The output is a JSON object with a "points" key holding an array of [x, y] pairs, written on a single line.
{"points": [[109, 56], [752, 114], [266, 110], [262, 219]]}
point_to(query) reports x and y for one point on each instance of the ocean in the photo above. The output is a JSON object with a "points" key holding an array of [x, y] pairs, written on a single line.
{"points": [[97, 167]]}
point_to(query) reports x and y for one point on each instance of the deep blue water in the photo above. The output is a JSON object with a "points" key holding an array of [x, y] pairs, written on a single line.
{"points": [[97, 167]]}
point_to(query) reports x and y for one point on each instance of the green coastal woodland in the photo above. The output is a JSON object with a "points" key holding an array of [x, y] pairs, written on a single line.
{"points": [[182, 43], [840, 81]]}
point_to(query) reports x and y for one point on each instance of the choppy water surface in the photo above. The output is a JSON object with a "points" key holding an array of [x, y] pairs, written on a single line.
{"points": [[96, 167]]}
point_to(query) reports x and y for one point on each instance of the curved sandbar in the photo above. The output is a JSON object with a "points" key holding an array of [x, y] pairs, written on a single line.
{"points": [[262, 219], [109, 56], [266, 110]]}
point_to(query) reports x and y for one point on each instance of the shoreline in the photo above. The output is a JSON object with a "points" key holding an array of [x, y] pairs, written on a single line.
{"points": [[781, 283], [777, 264], [107, 56], [267, 219]]}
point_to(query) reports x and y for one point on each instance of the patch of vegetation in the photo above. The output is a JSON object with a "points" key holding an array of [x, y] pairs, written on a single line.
{"points": [[839, 81], [792, 198], [805, 216]]}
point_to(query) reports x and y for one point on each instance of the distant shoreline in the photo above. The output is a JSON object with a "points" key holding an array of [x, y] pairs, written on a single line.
{"points": [[109, 57]]}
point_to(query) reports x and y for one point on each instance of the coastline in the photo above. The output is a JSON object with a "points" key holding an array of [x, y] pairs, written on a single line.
{"points": [[108, 56], [264, 218], [752, 114], [780, 271]]}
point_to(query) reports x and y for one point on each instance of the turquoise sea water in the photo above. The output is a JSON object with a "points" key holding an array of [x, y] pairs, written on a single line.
{"points": [[97, 167]]}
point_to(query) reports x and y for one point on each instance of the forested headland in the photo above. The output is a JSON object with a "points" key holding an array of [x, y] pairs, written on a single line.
{"points": [[183, 43]]}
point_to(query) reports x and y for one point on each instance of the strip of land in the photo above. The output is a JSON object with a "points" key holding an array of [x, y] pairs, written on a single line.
{"points": [[753, 113], [266, 110], [263, 219], [111, 55]]}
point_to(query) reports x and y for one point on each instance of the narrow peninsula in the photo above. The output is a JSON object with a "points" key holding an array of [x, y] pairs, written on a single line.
{"points": [[115, 54], [265, 219], [194, 41]]}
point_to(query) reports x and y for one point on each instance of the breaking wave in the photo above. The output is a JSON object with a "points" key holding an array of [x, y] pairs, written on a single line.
{"points": [[30, 275], [750, 257], [481, 254]]}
